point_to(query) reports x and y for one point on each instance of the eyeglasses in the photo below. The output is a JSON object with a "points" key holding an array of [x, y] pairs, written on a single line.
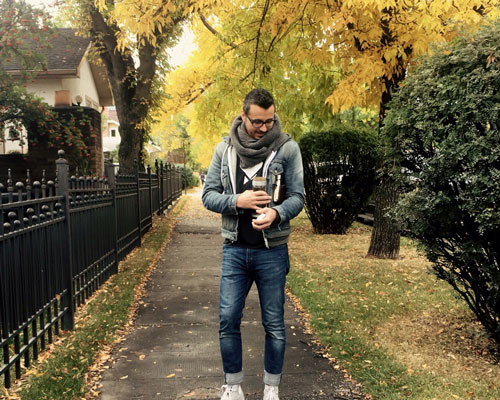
{"points": [[257, 123]]}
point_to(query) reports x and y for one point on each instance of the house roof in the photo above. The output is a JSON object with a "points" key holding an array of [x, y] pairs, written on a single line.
{"points": [[65, 52], [64, 57]]}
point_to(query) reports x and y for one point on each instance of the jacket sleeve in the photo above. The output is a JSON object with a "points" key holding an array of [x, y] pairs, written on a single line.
{"points": [[294, 186], [213, 197]]}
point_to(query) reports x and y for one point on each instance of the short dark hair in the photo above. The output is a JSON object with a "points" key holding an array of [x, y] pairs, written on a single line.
{"points": [[259, 97]]}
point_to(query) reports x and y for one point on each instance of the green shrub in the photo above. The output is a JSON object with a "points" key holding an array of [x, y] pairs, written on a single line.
{"points": [[339, 175], [188, 177], [444, 124]]}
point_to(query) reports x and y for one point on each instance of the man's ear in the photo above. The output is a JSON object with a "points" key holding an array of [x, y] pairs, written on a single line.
{"points": [[242, 114]]}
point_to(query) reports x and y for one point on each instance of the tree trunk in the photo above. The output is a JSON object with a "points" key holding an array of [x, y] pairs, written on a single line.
{"points": [[131, 115], [131, 84], [130, 143], [386, 234]]}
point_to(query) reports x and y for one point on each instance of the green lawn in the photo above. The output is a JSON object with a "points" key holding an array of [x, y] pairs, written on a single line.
{"points": [[391, 324]]}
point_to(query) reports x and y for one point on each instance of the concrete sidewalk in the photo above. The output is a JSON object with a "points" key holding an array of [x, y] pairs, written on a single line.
{"points": [[173, 350]]}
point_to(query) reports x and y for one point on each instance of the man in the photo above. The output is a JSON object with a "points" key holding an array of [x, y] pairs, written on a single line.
{"points": [[255, 249]]}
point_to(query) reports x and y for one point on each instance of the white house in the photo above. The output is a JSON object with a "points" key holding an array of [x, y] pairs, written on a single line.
{"points": [[71, 78], [110, 133]]}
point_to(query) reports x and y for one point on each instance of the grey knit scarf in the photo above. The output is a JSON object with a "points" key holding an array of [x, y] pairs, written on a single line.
{"points": [[252, 151]]}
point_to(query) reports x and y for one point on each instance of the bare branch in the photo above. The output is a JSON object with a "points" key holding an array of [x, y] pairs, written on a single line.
{"points": [[257, 41], [217, 34], [201, 91]]}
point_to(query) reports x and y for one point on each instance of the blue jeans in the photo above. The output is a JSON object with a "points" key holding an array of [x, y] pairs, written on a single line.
{"points": [[240, 268]]}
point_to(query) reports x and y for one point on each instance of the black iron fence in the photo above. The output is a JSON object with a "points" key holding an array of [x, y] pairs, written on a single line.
{"points": [[60, 240]]}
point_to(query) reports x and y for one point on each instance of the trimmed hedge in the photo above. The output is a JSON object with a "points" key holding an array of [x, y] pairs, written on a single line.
{"points": [[339, 175]]}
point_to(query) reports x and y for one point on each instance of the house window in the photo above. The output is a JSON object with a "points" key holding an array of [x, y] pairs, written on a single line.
{"points": [[13, 141], [113, 132]]}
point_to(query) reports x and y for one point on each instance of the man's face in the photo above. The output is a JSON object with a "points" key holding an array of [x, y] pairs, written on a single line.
{"points": [[256, 113]]}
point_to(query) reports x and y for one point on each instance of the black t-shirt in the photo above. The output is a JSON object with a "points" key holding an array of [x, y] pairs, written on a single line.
{"points": [[247, 236]]}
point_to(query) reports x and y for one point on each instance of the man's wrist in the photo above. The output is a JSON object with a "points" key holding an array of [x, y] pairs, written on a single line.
{"points": [[237, 197], [277, 219]]}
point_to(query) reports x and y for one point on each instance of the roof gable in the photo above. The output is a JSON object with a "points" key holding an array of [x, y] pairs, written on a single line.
{"points": [[64, 57]]}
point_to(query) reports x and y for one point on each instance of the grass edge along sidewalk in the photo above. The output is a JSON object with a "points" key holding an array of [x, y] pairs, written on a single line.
{"points": [[395, 328], [70, 368]]}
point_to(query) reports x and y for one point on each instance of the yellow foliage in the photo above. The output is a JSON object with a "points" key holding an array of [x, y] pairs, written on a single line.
{"points": [[375, 40], [145, 20], [344, 51]]}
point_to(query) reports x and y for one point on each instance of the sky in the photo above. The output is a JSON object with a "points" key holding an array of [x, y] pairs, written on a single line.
{"points": [[47, 5], [180, 53]]}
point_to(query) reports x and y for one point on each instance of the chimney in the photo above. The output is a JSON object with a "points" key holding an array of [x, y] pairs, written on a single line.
{"points": [[62, 98]]}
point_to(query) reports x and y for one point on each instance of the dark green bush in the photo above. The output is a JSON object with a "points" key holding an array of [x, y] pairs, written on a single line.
{"points": [[188, 177], [339, 175], [444, 123]]}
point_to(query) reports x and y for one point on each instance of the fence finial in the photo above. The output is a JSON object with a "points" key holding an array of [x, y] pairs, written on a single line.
{"points": [[62, 174], [28, 184], [10, 188], [28, 179]]}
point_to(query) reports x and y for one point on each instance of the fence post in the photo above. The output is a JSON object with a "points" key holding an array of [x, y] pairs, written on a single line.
{"points": [[175, 182], [184, 180], [181, 183], [62, 172], [109, 171], [159, 186], [166, 184], [139, 233], [170, 182], [150, 194], [163, 185]]}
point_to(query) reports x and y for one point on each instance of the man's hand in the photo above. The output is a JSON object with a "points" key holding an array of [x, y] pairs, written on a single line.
{"points": [[252, 200], [265, 218]]}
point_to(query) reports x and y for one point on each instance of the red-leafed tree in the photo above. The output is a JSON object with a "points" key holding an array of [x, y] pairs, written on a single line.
{"points": [[24, 31]]}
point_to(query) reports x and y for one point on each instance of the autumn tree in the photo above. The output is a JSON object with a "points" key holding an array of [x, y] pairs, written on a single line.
{"points": [[210, 87], [369, 44], [181, 140], [20, 26], [373, 42], [131, 38]]}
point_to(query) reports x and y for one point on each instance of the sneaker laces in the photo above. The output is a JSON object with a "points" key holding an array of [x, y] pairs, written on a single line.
{"points": [[226, 390]]}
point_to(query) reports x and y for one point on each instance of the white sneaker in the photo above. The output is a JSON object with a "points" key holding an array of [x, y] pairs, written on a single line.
{"points": [[231, 392], [271, 393]]}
